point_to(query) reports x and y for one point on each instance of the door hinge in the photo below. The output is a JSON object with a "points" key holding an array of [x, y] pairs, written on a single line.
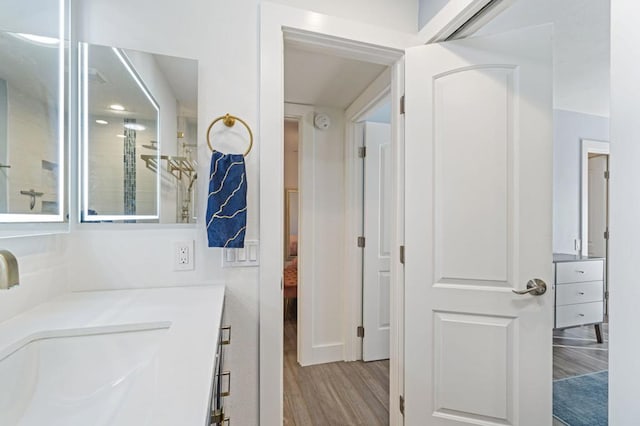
{"points": [[402, 104], [362, 152], [606, 295], [361, 242], [606, 174], [606, 234], [360, 331], [402, 405], [402, 254]]}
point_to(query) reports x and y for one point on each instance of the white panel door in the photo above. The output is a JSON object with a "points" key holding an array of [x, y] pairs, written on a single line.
{"points": [[597, 205], [376, 290], [478, 225]]}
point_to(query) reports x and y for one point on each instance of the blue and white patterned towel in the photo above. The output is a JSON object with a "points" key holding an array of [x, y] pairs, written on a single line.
{"points": [[227, 201]]}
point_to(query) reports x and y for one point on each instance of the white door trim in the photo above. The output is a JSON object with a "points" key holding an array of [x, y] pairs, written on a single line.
{"points": [[589, 146], [275, 21], [373, 95]]}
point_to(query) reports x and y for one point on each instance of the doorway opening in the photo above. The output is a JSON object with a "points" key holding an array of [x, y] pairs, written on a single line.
{"points": [[334, 194]]}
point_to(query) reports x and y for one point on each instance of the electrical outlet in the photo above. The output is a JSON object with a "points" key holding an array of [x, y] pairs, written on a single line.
{"points": [[183, 256]]}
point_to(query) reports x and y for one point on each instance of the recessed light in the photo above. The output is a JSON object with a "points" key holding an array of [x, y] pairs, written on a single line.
{"points": [[121, 136], [116, 107], [134, 126], [102, 122]]}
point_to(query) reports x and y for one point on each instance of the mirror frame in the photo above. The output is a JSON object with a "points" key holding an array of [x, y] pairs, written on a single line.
{"points": [[83, 112], [33, 218]]}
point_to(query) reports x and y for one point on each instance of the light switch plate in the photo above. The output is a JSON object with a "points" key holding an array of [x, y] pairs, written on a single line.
{"points": [[242, 257]]}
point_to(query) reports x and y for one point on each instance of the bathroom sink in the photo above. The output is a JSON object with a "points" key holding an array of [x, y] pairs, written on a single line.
{"points": [[87, 376]]}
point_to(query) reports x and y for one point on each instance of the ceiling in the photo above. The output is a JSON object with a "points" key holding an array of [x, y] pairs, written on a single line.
{"points": [[31, 68], [314, 78]]}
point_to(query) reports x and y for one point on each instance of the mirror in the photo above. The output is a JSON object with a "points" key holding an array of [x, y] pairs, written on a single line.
{"points": [[32, 126], [138, 115], [291, 223]]}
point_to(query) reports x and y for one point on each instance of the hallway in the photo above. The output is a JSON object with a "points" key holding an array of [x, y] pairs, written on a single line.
{"points": [[339, 393]]}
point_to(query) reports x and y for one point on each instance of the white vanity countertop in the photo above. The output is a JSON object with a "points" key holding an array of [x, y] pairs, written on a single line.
{"points": [[186, 355]]}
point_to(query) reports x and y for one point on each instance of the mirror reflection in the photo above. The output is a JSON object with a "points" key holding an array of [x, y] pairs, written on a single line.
{"points": [[31, 128], [139, 121]]}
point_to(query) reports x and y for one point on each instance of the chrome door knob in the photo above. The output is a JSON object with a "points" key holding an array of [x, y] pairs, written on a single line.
{"points": [[535, 287]]}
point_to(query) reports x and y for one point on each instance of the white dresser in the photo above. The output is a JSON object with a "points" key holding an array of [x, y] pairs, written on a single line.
{"points": [[579, 291]]}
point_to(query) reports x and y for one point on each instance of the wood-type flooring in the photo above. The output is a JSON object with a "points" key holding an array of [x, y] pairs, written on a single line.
{"points": [[357, 393], [338, 393]]}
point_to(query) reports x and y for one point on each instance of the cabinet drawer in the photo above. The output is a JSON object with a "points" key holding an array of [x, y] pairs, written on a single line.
{"points": [[583, 313], [574, 272], [570, 294]]}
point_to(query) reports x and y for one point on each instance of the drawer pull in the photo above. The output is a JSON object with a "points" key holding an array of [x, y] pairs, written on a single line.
{"points": [[581, 293], [580, 315], [580, 272], [218, 419], [227, 340], [222, 375]]}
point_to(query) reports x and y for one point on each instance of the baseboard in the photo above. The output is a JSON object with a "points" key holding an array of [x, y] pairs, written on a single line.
{"points": [[331, 352]]}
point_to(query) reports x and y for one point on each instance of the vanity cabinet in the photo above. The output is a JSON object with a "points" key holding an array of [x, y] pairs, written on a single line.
{"points": [[579, 291]]}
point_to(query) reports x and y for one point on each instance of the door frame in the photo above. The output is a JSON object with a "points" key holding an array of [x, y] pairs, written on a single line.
{"points": [[322, 33], [589, 146], [356, 40], [372, 96]]}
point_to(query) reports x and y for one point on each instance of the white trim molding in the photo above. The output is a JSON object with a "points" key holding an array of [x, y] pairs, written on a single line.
{"points": [[376, 93], [589, 146]]}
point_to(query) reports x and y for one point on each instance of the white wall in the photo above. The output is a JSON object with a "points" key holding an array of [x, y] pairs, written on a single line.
{"points": [[322, 235], [569, 128], [33, 17], [624, 368], [580, 44], [428, 9], [399, 15], [43, 262]]}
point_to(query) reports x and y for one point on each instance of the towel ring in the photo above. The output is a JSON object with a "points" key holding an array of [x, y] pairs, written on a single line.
{"points": [[230, 121]]}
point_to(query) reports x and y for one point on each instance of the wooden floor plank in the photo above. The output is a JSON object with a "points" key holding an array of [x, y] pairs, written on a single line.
{"points": [[357, 393], [338, 393], [576, 351]]}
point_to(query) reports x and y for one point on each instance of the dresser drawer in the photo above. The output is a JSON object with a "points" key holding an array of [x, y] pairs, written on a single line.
{"points": [[583, 313], [574, 272], [570, 294]]}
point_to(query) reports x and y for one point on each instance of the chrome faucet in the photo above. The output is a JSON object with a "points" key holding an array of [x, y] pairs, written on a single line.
{"points": [[9, 274]]}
